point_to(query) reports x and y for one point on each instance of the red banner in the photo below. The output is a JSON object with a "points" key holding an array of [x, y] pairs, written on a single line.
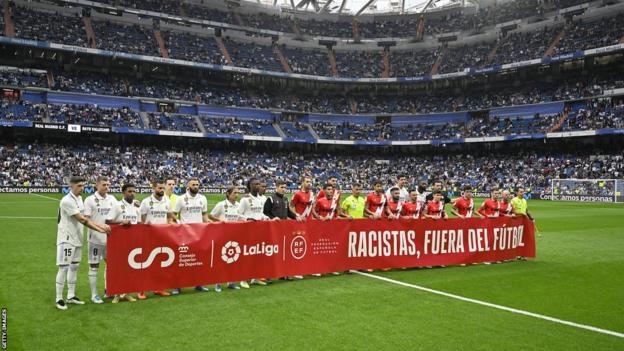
{"points": [[155, 257]]}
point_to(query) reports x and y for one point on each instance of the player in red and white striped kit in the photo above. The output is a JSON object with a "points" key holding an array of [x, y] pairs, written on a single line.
{"points": [[435, 207], [505, 207], [463, 207], [412, 209], [303, 200], [375, 202], [490, 208], [395, 204]]}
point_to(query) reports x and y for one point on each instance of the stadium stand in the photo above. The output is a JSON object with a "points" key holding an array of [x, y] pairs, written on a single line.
{"points": [[564, 35], [47, 165]]}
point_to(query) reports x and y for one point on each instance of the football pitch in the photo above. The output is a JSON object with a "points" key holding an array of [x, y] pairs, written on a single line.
{"points": [[577, 276]]}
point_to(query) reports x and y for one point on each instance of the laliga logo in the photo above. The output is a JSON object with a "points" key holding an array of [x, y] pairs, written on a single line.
{"points": [[142, 265], [230, 252]]}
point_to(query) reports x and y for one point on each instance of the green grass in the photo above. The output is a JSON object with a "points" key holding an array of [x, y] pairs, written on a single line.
{"points": [[578, 276]]}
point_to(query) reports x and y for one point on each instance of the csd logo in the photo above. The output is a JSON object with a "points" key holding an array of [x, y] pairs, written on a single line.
{"points": [[230, 252], [142, 265]]}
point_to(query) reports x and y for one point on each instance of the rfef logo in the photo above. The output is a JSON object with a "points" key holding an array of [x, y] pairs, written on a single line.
{"points": [[298, 247], [230, 252], [150, 259]]}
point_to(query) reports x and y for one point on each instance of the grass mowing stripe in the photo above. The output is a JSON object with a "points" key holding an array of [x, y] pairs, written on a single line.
{"points": [[487, 304]]}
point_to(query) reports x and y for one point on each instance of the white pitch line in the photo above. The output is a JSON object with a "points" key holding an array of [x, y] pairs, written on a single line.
{"points": [[47, 197], [17, 217], [499, 307]]}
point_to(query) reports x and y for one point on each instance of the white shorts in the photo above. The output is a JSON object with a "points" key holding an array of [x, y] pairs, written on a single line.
{"points": [[97, 253], [67, 253]]}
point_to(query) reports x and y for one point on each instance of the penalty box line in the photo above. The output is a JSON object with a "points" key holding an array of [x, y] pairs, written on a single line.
{"points": [[491, 305], [46, 197], [55, 199]]}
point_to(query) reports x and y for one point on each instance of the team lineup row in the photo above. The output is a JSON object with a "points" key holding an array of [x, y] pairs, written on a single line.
{"points": [[101, 209]]}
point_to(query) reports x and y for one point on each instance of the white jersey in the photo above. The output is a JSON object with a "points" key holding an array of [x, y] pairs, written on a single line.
{"points": [[403, 195], [227, 211], [155, 210], [69, 229], [422, 197], [97, 209], [124, 211], [190, 208], [252, 207]]}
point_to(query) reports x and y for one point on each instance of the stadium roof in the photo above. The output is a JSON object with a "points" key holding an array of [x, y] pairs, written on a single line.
{"points": [[357, 7]]}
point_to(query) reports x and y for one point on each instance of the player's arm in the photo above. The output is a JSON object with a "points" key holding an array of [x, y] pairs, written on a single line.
{"points": [[344, 206], [243, 208], [476, 213], [481, 211], [171, 218], [212, 217], [268, 206], [513, 212], [427, 215], [291, 203], [102, 228], [124, 222], [110, 219], [529, 215], [216, 213], [454, 210], [205, 218], [315, 213], [341, 213], [88, 208], [292, 214], [143, 209], [292, 207], [403, 213], [367, 212]]}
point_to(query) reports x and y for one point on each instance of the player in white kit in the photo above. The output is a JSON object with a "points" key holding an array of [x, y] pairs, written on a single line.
{"points": [[69, 240], [227, 211], [125, 212], [97, 208], [191, 207], [156, 209], [251, 208], [403, 191]]}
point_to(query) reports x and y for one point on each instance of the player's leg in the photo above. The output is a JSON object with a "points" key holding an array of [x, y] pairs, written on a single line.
{"points": [[72, 276], [95, 256], [63, 259]]}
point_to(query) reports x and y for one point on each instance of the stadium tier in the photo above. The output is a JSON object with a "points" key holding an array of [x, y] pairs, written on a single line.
{"points": [[599, 115], [48, 164], [549, 39], [384, 26]]}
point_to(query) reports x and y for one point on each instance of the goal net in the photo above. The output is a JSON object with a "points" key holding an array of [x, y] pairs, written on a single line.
{"points": [[587, 190]]}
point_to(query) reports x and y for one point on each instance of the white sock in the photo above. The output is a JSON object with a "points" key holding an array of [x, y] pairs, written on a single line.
{"points": [[93, 273], [71, 280], [60, 281]]}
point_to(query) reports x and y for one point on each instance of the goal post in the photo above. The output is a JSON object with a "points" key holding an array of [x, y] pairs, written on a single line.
{"points": [[586, 190]]}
